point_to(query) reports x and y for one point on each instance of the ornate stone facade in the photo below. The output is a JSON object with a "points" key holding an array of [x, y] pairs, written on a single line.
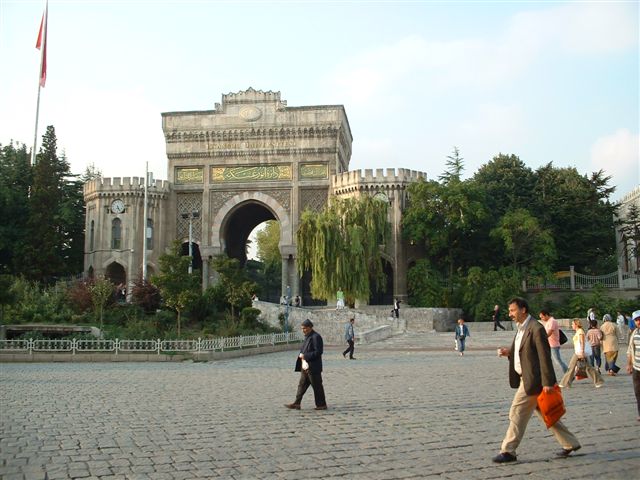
{"points": [[250, 159]]}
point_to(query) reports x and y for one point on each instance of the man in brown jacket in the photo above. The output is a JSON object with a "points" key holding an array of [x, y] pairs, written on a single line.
{"points": [[530, 371]]}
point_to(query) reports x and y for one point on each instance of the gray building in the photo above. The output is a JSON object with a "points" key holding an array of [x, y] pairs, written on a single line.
{"points": [[251, 159]]}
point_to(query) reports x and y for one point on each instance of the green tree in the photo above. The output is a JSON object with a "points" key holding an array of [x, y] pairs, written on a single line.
{"points": [[268, 241], [455, 167], [234, 282], [507, 184], [270, 278], [179, 288], [444, 219], [54, 246], [7, 295], [577, 211], [340, 246], [101, 291], [629, 228], [529, 246], [15, 181], [482, 289]]}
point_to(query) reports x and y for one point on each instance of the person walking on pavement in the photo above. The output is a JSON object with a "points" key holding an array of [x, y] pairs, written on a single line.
{"points": [[594, 337], [309, 364], [462, 332], [350, 337], [496, 318], [582, 351], [633, 357], [553, 335], [530, 371], [610, 345], [396, 308]]}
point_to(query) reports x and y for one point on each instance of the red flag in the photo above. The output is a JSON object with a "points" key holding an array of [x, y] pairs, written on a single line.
{"points": [[41, 43]]}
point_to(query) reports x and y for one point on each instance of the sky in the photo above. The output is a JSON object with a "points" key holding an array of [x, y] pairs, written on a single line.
{"points": [[547, 81]]}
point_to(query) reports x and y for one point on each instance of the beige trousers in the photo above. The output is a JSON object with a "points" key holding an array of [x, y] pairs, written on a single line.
{"points": [[522, 408], [570, 374]]}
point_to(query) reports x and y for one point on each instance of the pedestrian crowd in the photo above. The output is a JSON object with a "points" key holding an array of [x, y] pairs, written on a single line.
{"points": [[532, 355]]}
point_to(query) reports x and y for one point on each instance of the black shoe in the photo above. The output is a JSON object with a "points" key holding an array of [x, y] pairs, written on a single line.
{"points": [[344, 355], [352, 358], [565, 452], [505, 457], [321, 407], [292, 406]]}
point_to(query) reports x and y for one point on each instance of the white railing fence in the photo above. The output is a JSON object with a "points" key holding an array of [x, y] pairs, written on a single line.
{"points": [[158, 346], [573, 280]]}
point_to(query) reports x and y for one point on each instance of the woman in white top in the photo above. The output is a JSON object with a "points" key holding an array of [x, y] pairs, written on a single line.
{"points": [[582, 350]]}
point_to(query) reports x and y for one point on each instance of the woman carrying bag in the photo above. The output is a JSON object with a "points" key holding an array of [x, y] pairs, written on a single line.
{"points": [[582, 350]]}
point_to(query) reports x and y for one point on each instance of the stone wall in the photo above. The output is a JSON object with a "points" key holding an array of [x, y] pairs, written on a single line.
{"points": [[330, 323]]}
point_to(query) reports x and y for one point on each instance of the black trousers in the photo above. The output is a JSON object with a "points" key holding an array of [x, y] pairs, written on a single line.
{"points": [[315, 380], [496, 325], [636, 387], [349, 349]]}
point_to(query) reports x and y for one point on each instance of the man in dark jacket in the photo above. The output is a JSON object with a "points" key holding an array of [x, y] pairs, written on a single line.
{"points": [[496, 318], [309, 364], [530, 371]]}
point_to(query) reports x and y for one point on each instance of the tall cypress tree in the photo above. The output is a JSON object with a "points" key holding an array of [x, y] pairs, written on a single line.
{"points": [[54, 247], [15, 179]]}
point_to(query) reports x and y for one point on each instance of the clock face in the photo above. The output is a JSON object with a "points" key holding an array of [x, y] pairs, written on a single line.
{"points": [[117, 206]]}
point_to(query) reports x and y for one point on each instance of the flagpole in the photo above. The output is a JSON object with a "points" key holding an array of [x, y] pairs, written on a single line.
{"points": [[43, 52], [35, 133]]}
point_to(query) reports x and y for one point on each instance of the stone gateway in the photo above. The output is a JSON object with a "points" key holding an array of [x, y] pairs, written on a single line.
{"points": [[251, 159]]}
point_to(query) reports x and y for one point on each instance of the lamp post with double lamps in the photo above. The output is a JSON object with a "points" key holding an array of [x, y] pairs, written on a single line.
{"points": [[191, 216], [148, 182]]}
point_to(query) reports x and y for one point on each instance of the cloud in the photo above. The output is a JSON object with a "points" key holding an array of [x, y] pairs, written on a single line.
{"points": [[487, 62], [618, 154], [578, 27]]}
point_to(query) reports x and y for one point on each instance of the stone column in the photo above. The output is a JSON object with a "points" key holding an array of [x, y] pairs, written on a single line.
{"points": [[285, 275]]}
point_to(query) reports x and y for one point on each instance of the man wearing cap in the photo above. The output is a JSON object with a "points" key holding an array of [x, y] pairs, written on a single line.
{"points": [[309, 364], [633, 357]]}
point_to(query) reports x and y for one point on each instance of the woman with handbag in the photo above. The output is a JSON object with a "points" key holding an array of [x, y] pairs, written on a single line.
{"points": [[594, 337], [610, 345], [582, 350]]}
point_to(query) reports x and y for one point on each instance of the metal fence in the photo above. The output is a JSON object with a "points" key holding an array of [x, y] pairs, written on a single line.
{"points": [[572, 280], [158, 346]]}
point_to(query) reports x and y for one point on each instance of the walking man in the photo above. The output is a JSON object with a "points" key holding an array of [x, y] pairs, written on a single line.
{"points": [[530, 371], [309, 364], [350, 337], [496, 318]]}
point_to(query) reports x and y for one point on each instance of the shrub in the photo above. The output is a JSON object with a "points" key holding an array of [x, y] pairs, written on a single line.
{"points": [[146, 295]]}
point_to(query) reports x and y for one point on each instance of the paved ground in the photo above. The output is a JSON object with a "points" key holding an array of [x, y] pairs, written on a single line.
{"points": [[408, 407]]}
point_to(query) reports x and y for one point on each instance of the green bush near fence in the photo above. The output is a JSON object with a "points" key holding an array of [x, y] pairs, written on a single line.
{"points": [[63, 303]]}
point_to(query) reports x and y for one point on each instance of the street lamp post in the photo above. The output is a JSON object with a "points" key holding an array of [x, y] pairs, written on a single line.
{"points": [[286, 310], [145, 226], [191, 216]]}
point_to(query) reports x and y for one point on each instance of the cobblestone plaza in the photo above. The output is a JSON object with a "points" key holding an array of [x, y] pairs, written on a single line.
{"points": [[409, 407]]}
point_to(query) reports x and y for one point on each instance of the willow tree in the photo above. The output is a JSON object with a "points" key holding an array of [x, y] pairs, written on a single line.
{"points": [[340, 246]]}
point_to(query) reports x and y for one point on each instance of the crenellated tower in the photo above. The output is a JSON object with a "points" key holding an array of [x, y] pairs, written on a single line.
{"points": [[252, 158]]}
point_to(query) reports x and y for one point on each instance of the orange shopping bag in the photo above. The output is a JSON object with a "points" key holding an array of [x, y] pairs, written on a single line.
{"points": [[551, 406]]}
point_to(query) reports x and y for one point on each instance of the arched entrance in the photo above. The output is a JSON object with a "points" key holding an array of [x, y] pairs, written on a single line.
{"points": [[241, 222], [237, 217], [378, 296], [116, 274]]}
